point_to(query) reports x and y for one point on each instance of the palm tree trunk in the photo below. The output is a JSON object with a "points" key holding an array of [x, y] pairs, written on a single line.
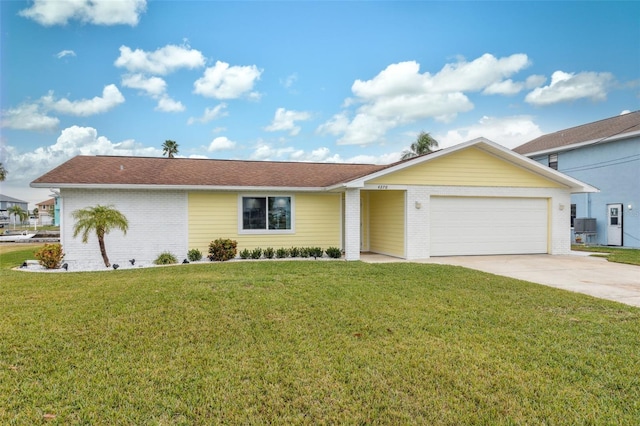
{"points": [[103, 252]]}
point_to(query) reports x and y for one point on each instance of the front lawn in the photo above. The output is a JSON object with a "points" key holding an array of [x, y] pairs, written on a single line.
{"points": [[308, 342], [619, 255]]}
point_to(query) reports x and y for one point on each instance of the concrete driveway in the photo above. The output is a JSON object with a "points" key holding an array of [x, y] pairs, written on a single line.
{"points": [[577, 272]]}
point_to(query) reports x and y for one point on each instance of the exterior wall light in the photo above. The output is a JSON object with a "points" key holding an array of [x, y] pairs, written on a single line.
{"points": [[418, 205]]}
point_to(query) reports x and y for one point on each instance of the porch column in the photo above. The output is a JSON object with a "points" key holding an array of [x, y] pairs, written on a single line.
{"points": [[352, 224]]}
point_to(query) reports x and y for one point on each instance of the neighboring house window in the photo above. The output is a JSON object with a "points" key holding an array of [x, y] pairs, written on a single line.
{"points": [[573, 214], [553, 161], [270, 214]]}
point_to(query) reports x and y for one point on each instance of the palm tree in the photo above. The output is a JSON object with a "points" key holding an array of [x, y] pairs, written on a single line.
{"points": [[3, 172], [17, 212], [101, 219], [170, 148], [424, 144]]}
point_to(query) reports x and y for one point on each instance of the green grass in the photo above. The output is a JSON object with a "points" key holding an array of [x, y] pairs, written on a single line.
{"points": [[310, 342], [619, 255]]}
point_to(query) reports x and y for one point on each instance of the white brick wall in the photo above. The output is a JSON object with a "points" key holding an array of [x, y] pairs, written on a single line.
{"points": [[157, 223], [352, 224]]}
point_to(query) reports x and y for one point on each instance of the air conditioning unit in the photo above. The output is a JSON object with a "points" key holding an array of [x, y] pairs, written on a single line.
{"points": [[584, 225]]}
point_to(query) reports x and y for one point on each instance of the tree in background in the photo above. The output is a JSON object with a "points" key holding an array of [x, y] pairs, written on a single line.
{"points": [[101, 220], [424, 144], [17, 213], [170, 148], [3, 172]]}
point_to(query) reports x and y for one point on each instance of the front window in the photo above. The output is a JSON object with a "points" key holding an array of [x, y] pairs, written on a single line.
{"points": [[267, 213]]}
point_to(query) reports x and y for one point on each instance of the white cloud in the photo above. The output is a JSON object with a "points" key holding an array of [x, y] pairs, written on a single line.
{"points": [[28, 117], [60, 12], [74, 140], [156, 88], [64, 53], [401, 95], [228, 82], [152, 86], [163, 61], [166, 104], [289, 80], [221, 143], [336, 125], [506, 87], [111, 97], [507, 131], [567, 87], [366, 129], [286, 120], [210, 114]]}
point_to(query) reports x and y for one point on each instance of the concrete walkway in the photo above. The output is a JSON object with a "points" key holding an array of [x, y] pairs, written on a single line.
{"points": [[577, 272]]}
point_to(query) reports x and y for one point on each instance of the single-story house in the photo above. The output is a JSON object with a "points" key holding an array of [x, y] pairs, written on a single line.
{"points": [[476, 198], [605, 154]]}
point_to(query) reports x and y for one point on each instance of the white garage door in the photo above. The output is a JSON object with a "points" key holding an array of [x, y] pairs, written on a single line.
{"points": [[481, 226]]}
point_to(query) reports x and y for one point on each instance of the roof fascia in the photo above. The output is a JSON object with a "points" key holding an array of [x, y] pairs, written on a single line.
{"points": [[573, 146], [181, 187]]}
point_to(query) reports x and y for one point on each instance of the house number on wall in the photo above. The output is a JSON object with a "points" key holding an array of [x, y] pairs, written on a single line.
{"points": [[383, 187]]}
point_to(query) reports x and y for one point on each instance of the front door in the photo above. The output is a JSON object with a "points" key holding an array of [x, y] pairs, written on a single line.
{"points": [[614, 224]]}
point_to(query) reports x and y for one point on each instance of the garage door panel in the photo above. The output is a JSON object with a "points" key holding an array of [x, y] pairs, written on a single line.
{"points": [[482, 226]]}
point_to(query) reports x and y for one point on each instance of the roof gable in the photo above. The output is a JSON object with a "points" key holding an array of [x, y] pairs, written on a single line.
{"points": [[468, 167], [491, 148], [607, 130]]}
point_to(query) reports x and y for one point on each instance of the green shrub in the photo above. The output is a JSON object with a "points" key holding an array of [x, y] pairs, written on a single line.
{"points": [[256, 253], [334, 252], [304, 252], [245, 254], [194, 255], [50, 256], [315, 252], [269, 253], [281, 253], [294, 252], [165, 258], [222, 249]]}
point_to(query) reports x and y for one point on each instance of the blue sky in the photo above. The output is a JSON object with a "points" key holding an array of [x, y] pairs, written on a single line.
{"points": [[301, 81]]}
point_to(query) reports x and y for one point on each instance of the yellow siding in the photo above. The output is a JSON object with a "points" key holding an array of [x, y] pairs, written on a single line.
{"points": [[468, 167], [215, 215], [386, 222]]}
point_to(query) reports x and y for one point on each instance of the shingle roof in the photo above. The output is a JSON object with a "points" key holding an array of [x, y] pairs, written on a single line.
{"points": [[596, 131], [114, 170], [11, 199], [49, 202]]}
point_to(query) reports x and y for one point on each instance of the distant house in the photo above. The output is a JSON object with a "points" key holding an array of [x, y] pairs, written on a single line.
{"points": [[6, 203], [606, 155], [471, 199], [47, 212]]}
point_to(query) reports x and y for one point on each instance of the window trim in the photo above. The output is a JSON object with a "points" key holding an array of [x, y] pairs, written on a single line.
{"points": [[265, 231]]}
